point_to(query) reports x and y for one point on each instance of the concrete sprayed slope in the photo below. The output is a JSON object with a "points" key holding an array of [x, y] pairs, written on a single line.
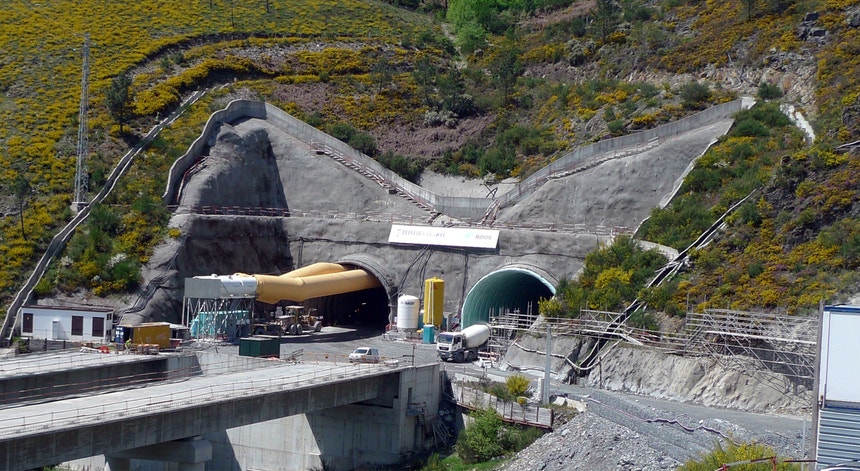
{"points": [[274, 245], [620, 191], [253, 163]]}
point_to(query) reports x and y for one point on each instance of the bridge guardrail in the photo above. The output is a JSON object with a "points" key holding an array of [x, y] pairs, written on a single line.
{"points": [[124, 409]]}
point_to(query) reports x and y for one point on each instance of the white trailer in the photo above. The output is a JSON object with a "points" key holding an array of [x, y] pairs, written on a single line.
{"points": [[80, 324], [836, 419]]}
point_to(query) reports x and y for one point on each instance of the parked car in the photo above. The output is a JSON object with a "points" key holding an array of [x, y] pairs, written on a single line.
{"points": [[364, 355]]}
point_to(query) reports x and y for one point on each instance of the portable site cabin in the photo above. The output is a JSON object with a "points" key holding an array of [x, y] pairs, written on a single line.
{"points": [[148, 333], [78, 324], [836, 418]]}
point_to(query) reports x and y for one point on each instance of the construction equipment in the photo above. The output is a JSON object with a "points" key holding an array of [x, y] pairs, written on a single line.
{"points": [[295, 320], [462, 346], [149, 333], [289, 320]]}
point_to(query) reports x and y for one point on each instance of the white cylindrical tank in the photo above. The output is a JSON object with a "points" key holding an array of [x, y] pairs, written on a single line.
{"points": [[407, 313]]}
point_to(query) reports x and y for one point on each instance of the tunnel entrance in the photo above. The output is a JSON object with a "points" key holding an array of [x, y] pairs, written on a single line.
{"points": [[508, 289], [366, 308]]}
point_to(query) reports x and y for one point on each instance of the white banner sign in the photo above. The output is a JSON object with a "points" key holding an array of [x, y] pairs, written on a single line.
{"points": [[450, 236]]}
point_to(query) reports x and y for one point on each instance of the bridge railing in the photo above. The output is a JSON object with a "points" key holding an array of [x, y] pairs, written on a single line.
{"points": [[159, 402]]}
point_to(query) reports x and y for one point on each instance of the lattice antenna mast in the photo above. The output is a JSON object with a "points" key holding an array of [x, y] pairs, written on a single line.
{"points": [[83, 145]]}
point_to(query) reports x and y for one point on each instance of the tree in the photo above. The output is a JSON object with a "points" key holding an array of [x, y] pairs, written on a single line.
{"points": [[606, 18], [506, 66], [381, 75], [452, 89], [425, 77], [750, 4], [479, 441], [119, 98], [21, 189]]}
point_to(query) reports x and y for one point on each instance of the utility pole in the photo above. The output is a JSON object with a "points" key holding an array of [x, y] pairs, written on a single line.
{"points": [[83, 145], [548, 365]]}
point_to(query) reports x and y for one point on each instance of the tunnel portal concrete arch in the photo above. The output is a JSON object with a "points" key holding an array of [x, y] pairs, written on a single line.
{"points": [[514, 287], [371, 307]]}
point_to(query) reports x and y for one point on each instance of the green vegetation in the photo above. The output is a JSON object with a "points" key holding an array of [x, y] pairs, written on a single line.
{"points": [[612, 278], [389, 66], [744, 456], [517, 385], [455, 463], [169, 48], [487, 438]]}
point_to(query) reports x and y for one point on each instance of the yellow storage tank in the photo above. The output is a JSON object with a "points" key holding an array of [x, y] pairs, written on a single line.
{"points": [[434, 300]]}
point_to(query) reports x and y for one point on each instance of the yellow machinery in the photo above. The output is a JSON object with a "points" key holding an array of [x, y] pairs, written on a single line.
{"points": [[150, 333], [434, 301]]}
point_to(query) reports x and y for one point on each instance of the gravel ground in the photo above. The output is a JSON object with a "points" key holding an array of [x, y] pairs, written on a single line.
{"points": [[617, 432], [622, 432]]}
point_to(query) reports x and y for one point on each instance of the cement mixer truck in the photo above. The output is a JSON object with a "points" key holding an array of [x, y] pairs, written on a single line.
{"points": [[462, 346]]}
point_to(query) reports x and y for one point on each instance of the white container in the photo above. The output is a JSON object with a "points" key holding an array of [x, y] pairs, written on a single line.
{"points": [[407, 313]]}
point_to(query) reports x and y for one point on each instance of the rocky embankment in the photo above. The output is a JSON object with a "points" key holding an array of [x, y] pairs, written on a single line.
{"points": [[707, 400]]}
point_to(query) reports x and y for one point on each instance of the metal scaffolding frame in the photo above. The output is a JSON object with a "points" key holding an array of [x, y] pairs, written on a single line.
{"points": [[782, 344], [217, 318]]}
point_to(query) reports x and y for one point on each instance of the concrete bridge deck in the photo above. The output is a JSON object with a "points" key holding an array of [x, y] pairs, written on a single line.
{"points": [[33, 435]]}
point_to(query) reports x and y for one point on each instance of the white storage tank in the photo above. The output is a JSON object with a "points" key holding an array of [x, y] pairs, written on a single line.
{"points": [[407, 313]]}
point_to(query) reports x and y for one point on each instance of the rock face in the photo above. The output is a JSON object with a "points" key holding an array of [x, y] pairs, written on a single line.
{"points": [[626, 432], [713, 381], [710, 381]]}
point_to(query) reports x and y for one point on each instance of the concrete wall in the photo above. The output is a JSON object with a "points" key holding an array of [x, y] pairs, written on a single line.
{"points": [[219, 363], [341, 438], [86, 379]]}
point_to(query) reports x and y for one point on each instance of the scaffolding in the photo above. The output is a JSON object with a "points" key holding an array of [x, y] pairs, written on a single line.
{"points": [[782, 344], [504, 327], [225, 319]]}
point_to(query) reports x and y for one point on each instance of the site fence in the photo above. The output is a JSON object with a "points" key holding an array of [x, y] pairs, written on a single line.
{"points": [[783, 344], [527, 413]]}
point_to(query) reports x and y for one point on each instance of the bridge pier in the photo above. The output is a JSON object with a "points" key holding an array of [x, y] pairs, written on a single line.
{"points": [[116, 463], [190, 454]]}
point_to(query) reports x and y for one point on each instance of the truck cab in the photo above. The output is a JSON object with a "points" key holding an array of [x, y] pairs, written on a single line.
{"points": [[463, 345], [448, 344]]}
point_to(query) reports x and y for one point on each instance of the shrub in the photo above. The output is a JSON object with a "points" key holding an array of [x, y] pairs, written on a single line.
{"points": [[479, 441], [695, 95], [501, 391], [517, 385], [735, 453], [769, 91], [751, 128], [342, 131], [364, 143], [409, 169]]}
